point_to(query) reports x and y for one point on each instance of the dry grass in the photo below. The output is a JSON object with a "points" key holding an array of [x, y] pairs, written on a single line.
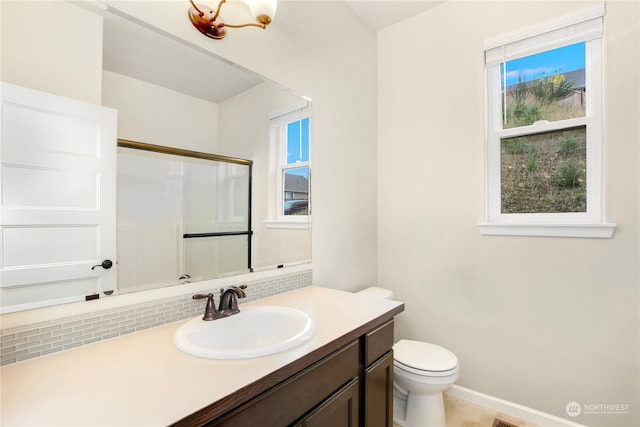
{"points": [[544, 173], [530, 111]]}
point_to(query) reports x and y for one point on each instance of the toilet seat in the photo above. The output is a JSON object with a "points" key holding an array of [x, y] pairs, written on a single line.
{"points": [[423, 358], [424, 373]]}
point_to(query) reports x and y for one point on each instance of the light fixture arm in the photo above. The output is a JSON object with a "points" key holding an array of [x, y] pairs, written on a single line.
{"points": [[210, 23], [195, 6], [217, 10], [251, 24]]}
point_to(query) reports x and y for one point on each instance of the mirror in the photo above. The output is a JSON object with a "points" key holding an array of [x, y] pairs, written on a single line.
{"points": [[172, 94]]}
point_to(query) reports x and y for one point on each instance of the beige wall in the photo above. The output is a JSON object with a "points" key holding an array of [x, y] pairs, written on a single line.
{"points": [[41, 48], [537, 321], [152, 114]]}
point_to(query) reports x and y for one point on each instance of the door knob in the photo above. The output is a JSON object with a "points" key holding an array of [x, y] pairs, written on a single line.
{"points": [[106, 264]]}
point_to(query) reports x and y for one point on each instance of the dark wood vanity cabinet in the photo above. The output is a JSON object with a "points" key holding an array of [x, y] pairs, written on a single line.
{"points": [[378, 377], [378, 398], [368, 399], [350, 386], [339, 410]]}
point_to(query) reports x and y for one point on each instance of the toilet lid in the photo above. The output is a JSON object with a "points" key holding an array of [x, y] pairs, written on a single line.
{"points": [[424, 356]]}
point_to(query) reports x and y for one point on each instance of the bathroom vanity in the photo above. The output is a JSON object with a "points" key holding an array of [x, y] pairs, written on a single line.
{"points": [[351, 384], [342, 376]]}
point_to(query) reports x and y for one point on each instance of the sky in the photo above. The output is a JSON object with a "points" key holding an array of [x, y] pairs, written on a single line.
{"points": [[561, 60], [298, 146], [298, 141]]}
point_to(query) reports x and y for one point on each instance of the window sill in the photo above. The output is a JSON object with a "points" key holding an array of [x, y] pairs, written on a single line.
{"points": [[598, 231], [296, 225]]}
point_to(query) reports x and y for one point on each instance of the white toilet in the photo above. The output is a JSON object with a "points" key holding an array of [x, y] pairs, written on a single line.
{"points": [[422, 372]]}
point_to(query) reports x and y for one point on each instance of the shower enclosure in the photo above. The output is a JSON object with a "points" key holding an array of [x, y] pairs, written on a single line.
{"points": [[181, 216]]}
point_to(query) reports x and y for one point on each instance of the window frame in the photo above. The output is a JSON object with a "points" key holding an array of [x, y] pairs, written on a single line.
{"points": [[278, 122], [584, 26]]}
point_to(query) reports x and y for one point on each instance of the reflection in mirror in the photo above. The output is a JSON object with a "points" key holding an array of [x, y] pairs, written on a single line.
{"points": [[168, 92], [171, 93], [182, 216], [297, 171]]}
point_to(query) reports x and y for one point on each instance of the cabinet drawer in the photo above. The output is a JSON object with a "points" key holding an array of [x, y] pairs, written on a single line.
{"points": [[378, 342], [293, 398]]}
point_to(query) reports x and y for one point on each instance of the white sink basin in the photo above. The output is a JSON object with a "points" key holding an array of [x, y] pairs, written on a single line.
{"points": [[254, 332]]}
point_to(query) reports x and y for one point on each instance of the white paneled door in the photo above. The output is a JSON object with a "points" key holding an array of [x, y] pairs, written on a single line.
{"points": [[57, 204]]}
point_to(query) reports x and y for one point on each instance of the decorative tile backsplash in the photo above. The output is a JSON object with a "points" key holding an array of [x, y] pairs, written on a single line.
{"points": [[39, 339]]}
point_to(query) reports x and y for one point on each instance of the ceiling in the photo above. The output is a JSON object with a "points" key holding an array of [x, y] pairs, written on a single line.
{"points": [[135, 51], [384, 13]]}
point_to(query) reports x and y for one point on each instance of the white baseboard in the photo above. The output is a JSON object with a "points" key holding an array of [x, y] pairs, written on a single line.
{"points": [[509, 408]]}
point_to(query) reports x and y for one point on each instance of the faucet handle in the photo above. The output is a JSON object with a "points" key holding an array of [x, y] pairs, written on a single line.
{"points": [[201, 296], [210, 312]]}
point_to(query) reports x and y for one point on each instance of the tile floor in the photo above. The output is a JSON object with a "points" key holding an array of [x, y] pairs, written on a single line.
{"points": [[461, 413]]}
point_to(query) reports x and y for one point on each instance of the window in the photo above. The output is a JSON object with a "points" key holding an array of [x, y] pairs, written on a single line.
{"points": [[291, 147], [544, 130]]}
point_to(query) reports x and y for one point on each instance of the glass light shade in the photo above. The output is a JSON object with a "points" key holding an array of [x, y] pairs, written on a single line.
{"points": [[263, 7]]}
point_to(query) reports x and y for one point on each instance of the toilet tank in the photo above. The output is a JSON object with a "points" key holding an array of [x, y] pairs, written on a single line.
{"points": [[376, 292]]}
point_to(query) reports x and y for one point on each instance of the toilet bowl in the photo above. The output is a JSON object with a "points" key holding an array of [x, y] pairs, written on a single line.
{"points": [[422, 372]]}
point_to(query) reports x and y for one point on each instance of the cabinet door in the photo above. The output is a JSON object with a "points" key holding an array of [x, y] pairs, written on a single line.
{"points": [[378, 411], [295, 397], [340, 410]]}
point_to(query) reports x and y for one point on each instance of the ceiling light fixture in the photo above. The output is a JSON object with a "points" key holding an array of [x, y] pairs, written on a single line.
{"points": [[210, 23]]}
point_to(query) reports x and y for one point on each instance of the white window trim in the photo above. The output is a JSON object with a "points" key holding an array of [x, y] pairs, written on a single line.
{"points": [[296, 225], [277, 219], [586, 26]]}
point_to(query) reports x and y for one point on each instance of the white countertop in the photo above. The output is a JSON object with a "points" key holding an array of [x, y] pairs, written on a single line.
{"points": [[141, 379]]}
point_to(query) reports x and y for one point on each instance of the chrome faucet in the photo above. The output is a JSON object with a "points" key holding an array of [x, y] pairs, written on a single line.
{"points": [[228, 302]]}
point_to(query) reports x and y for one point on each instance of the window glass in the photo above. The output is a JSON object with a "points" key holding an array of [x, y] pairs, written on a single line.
{"points": [[298, 141], [545, 172], [546, 86], [296, 191]]}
